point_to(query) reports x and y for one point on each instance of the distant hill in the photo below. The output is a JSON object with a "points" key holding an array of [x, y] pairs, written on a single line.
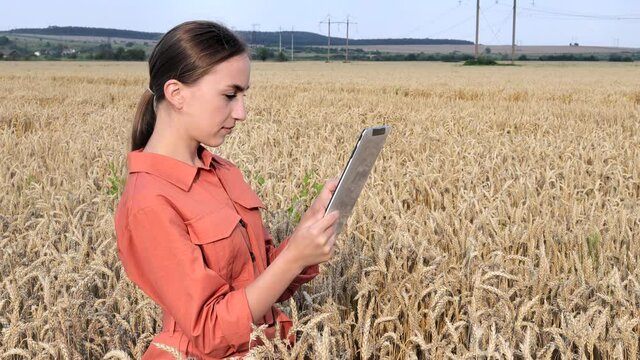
{"points": [[88, 31], [301, 38]]}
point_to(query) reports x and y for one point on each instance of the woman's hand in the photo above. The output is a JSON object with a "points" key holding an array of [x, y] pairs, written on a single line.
{"points": [[312, 240], [311, 243]]}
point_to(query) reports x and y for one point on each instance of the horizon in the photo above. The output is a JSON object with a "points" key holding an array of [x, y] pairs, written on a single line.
{"points": [[614, 23], [320, 34]]}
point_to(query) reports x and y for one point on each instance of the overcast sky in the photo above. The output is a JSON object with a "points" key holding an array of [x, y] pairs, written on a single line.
{"points": [[539, 22]]}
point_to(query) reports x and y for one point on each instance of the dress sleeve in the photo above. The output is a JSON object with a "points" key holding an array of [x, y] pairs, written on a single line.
{"points": [[305, 276], [158, 256]]}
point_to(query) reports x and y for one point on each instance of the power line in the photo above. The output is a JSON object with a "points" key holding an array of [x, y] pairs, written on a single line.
{"points": [[496, 31], [453, 26], [478, 24], [581, 15], [431, 21], [329, 22], [495, 35]]}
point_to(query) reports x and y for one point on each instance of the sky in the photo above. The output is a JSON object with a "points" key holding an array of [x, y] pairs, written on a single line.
{"points": [[539, 22]]}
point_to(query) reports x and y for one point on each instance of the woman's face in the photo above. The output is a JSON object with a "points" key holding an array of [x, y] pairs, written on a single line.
{"points": [[213, 104]]}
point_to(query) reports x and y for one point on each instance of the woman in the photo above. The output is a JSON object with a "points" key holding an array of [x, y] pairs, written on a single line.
{"points": [[188, 226]]}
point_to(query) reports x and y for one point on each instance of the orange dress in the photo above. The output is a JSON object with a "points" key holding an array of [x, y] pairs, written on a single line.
{"points": [[192, 238]]}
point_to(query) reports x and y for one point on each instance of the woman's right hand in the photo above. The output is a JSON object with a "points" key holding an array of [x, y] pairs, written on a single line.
{"points": [[312, 240]]}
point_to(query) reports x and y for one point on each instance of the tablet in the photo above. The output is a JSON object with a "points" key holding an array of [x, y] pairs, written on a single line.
{"points": [[356, 172]]}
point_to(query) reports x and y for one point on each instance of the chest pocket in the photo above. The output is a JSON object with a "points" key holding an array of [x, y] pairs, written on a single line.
{"points": [[220, 238]]}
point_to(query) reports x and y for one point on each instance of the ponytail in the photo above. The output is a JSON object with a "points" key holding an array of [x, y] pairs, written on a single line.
{"points": [[144, 121]]}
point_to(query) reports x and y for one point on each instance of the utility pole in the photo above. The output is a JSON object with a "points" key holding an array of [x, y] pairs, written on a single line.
{"points": [[328, 22], [292, 43], [346, 58], [280, 40], [477, 26], [513, 34], [346, 54], [253, 31]]}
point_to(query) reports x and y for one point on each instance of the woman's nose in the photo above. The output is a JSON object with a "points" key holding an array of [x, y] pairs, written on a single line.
{"points": [[239, 113]]}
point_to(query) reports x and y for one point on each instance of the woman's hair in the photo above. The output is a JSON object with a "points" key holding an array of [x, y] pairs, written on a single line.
{"points": [[186, 53]]}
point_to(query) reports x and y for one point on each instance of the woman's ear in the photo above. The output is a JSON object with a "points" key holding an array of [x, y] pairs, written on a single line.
{"points": [[173, 93]]}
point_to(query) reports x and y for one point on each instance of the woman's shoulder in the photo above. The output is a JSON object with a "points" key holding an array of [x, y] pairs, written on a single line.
{"points": [[142, 191]]}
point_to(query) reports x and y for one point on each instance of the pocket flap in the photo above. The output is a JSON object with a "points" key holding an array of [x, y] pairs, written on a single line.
{"points": [[249, 199], [213, 226], [238, 189]]}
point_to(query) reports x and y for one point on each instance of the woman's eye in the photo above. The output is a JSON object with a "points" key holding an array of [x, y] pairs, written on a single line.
{"points": [[230, 96]]}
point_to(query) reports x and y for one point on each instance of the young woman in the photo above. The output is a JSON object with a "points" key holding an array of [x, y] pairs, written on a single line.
{"points": [[188, 226]]}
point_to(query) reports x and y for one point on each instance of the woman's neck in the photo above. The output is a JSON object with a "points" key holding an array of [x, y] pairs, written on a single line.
{"points": [[170, 141]]}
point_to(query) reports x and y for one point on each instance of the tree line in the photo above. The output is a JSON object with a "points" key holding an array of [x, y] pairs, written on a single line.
{"points": [[49, 50]]}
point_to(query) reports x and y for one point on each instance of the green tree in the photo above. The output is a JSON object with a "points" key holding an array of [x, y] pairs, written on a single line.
{"points": [[620, 58], [119, 54], [282, 57], [103, 52], [411, 57], [263, 53], [135, 55]]}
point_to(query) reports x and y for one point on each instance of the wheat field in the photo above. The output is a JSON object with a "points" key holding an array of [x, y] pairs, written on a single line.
{"points": [[502, 219]]}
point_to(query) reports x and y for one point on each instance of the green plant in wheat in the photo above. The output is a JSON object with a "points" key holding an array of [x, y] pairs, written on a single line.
{"points": [[116, 181], [300, 201], [593, 248]]}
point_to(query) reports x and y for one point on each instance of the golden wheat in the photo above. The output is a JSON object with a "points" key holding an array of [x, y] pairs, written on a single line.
{"points": [[501, 221]]}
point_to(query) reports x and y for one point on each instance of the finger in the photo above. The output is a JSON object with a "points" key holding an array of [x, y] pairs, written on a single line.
{"points": [[322, 200], [332, 240], [332, 184], [329, 187], [320, 203], [327, 222]]}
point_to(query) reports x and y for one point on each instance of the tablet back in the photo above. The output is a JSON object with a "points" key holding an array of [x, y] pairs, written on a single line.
{"points": [[355, 174]]}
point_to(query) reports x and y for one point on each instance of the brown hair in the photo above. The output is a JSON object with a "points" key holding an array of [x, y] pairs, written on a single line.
{"points": [[185, 53]]}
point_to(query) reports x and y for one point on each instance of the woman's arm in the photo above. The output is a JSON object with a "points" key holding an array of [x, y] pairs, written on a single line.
{"points": [[307, 274], [312, 244]]}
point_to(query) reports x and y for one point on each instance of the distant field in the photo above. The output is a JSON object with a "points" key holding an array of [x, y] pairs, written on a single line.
{"points": [[79, 39], [469, 49], [502, 220], [83, 41]]}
